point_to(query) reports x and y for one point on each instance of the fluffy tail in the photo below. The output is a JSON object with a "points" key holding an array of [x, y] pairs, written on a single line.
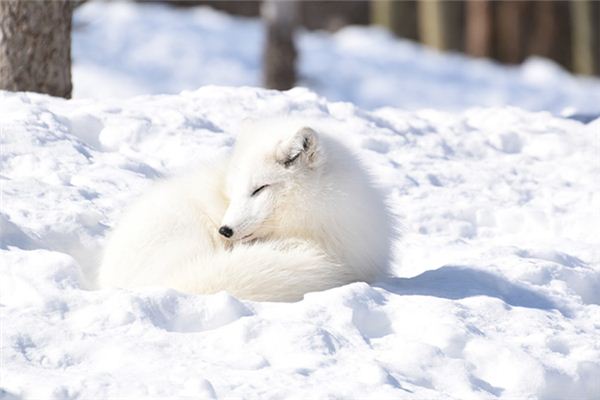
{"points": [[263, 271]]}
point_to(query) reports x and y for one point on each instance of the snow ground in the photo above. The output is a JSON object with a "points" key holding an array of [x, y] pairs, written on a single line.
{"points": [[153, 49], [498, 287], [497, 293]]}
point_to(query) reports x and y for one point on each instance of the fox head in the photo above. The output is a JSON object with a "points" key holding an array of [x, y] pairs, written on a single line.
{"points": [[269, 173]]}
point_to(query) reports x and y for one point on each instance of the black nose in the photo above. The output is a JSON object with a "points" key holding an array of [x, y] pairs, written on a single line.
{"points": [[226, 231]]}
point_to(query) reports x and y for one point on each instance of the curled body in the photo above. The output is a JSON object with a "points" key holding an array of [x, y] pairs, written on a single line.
{"points": [[290, 211]]}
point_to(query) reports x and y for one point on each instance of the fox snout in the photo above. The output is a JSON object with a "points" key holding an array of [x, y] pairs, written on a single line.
{"points": [[229, 233], [226, 231], [244, 217]]}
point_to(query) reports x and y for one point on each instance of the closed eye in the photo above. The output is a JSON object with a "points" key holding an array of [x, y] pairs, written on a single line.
{"points": [[258, 190], [290, 160]]}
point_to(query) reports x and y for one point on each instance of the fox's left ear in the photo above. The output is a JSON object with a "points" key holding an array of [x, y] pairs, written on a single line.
{"points": [[302, 146]]}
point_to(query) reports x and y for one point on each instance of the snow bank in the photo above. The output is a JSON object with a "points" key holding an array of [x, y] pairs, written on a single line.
{"points": [[152, 49], [497, 294]]}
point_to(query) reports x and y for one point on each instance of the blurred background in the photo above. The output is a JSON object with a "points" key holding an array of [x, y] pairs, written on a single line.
{"points": [[508, 31], [538, 55]]}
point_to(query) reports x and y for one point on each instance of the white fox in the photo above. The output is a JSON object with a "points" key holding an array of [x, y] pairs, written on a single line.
{"points": [[291, 211]]}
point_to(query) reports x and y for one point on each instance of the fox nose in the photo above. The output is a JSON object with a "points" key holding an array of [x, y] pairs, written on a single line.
{"points": [[226, 231]]}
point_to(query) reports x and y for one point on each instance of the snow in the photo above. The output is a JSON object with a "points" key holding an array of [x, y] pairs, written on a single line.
{"points": [[498, 270], [497, 287], [155, 49]]}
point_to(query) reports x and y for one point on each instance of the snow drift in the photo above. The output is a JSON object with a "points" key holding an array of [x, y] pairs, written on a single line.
{"points": [[498, 270]]}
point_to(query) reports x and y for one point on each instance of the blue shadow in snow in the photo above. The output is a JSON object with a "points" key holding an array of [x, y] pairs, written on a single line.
{"points": [[584, 118], [6, 395], [459, 282]]}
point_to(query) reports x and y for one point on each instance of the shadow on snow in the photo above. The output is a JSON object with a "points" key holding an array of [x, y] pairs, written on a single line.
{"points": [[459, 282]]}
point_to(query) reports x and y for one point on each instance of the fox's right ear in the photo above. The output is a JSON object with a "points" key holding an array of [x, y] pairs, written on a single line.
{"points": [[300, 147]]}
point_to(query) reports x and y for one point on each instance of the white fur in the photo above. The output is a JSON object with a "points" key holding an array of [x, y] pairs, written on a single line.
{"points": [[319, 224]]}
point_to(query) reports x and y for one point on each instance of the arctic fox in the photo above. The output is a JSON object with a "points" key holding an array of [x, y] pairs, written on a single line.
{"points": [[290, 211]]}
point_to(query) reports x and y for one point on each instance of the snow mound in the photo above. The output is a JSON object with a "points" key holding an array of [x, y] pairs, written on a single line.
{"points": [[497, 294]]}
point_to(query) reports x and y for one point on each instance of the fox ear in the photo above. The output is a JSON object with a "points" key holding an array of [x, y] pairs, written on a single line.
{"points": [[301, 146]]}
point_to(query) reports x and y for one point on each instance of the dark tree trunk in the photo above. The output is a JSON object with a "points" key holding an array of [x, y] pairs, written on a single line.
{"points": [[35, 46], [511, 27], [454, 17], [333, 15], [279, 59], [551, 31]]}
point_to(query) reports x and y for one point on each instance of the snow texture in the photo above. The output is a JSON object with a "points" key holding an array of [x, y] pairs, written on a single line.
{"points": [[497, 294], [497, 287]]}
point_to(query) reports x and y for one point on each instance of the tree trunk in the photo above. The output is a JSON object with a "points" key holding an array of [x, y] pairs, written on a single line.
{"points": [[279, 58], [595, 40], [431, 23], [550, 32], [333, 15], [585, 17], [35, 46], [400, 17], [511, 27], [453, 15], [479, 24], [440, 24]]}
